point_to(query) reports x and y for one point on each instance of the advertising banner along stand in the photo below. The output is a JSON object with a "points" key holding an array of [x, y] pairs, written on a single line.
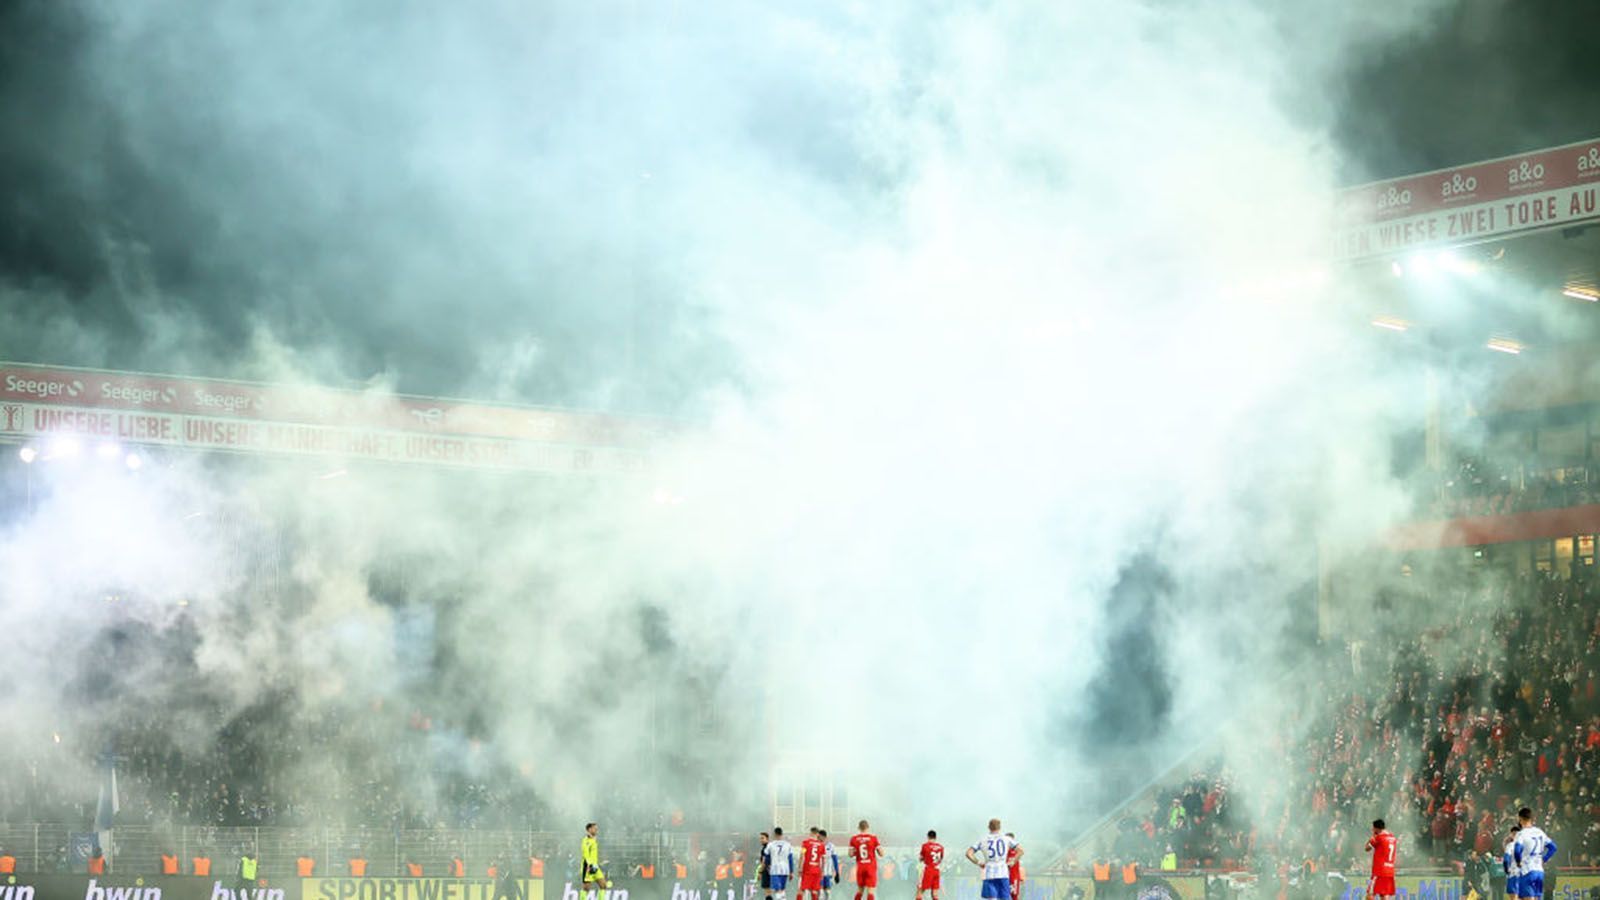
{"points": [[1554, 188], [40, 402], [140, 887], [371, 888]]}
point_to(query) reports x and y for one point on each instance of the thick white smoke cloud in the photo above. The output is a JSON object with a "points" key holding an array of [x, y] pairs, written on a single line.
{"points": [[973, 307]]}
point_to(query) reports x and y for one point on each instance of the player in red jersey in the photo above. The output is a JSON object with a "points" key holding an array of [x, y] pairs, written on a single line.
{"points": [[865, 850], [1014, 867], [932, 856], [1383, 844], [811, 853]]}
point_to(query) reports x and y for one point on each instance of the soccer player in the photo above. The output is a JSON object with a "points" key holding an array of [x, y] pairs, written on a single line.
{"points": [[1014, 867], [1513, 874], [995, 849], [594, 879], [932, 856], [864, 849], [1382, 845], [830, 865], [811, 859], [1532, 849], [780, 862], [762, 872]]}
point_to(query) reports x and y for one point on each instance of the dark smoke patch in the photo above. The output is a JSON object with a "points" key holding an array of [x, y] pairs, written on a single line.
{"points": [[177, 188], [1129, 701]]}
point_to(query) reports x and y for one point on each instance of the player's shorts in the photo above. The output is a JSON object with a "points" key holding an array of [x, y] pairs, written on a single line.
{"points": [[778, 882], [930, 879], [811, 881], [1511, 884], [866, 876], [1381, 886], [996, 889], [827, 882], [1016, 875], [1530, 884], [766, 881]]}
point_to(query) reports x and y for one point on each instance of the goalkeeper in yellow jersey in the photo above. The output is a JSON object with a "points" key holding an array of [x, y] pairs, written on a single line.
{"points": [[594, 878]]}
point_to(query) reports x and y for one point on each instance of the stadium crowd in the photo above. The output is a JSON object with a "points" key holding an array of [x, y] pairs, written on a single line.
{"points": [[160, 784], [1443, 729], [1445, 734], [1480, 488]]}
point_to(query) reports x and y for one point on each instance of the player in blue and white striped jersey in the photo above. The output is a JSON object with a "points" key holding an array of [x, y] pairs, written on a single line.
{"points": [[1531, 850], [1513, 875], [990, 854], [830, 865], [780, 862]]}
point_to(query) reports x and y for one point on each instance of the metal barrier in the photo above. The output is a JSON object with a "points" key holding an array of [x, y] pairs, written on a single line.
{"points": [[137, 849]]}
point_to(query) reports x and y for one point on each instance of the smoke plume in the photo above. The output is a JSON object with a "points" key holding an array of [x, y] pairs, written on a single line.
{"points": [[1019, 396]]}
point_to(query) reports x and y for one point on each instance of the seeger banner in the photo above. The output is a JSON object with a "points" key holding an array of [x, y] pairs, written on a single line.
{"points": [[1574, 887], [1412, 887]]}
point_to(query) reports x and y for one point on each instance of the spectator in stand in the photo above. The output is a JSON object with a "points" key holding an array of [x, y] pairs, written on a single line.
{"points": [[1449, 741]]}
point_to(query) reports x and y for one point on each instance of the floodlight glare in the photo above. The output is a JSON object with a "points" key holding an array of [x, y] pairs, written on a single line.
{"points": [[1450, 261]]}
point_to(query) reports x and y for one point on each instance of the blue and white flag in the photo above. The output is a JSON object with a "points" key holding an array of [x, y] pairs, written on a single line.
{"points": [[105, 811]]}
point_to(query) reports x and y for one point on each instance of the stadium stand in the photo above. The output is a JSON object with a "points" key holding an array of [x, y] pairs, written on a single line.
{"points": [[1478, 487], [1446, 737]]}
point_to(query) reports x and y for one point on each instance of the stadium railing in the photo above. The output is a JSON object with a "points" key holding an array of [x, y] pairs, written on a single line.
{"points": [[137, 849]]}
